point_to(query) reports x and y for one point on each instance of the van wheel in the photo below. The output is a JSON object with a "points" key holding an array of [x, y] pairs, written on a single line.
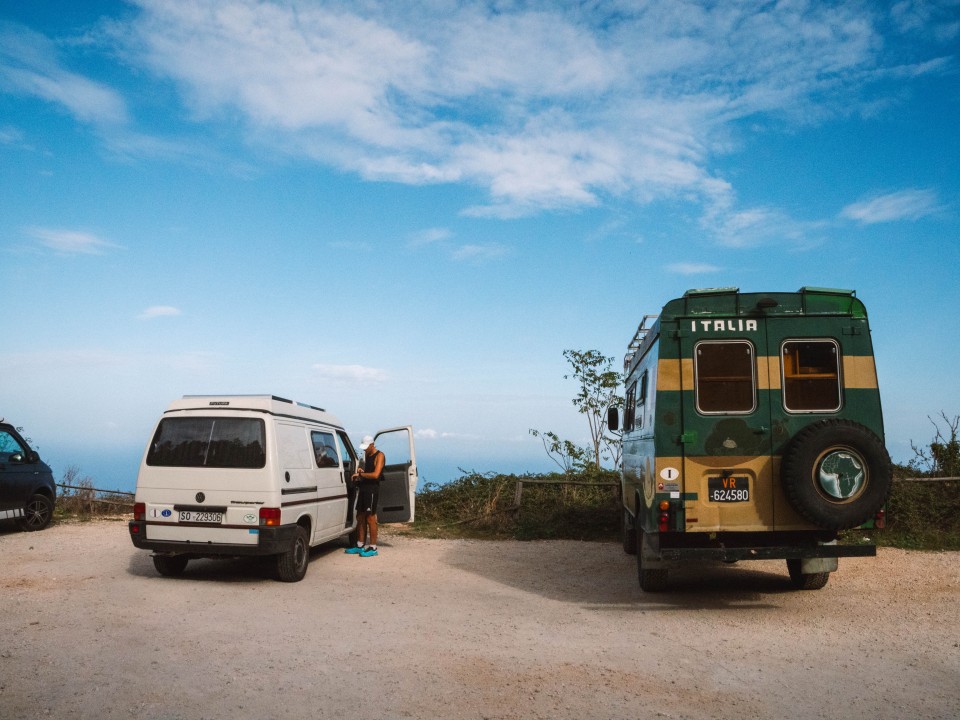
{"points": [[37, 513], [836, 474], [650, 580], [805, 581], [627, 533], [292, 565], [170, 565]]}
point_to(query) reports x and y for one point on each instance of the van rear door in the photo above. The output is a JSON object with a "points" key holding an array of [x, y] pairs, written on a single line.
{"points": [[399, 484]]}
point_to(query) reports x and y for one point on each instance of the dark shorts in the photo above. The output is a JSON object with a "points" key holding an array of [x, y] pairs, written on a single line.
{"points": [[367, 500]]}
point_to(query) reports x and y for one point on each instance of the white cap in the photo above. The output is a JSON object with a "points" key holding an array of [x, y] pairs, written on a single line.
{"points": [[366, 442]]}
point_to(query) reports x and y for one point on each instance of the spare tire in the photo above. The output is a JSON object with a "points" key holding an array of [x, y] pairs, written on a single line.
{"points": [[836, 474]]}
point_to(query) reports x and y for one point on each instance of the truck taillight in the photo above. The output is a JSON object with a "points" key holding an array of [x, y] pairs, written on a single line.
{"points": [[663, 523], [139, 511], [880, 519], [269, 516]]}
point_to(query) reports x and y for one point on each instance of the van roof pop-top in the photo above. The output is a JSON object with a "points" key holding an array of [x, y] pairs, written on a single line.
{"points": [[752, 429]]}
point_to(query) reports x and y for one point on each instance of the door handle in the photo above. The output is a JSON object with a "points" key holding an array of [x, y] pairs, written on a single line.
{"points": [[760, 430]]}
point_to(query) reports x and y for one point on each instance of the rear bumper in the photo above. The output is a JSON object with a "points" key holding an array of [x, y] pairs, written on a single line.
{"points": [[767, 553], [271, 541]]}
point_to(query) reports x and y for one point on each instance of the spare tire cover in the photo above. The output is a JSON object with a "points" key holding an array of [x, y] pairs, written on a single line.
{"points": [[836, 474]]}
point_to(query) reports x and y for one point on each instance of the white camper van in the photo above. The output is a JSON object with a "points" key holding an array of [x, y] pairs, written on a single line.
{"points": [[257, 475]]}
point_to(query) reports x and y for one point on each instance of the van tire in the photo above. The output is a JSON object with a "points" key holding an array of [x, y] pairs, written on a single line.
{"points": [[37, 513], [650, 580], [292, 564], [170, 565], [805, 581], [627, 533], [858, 452]]}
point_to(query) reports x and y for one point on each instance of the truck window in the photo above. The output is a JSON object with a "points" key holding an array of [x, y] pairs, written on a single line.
{"points": [[629, 408], [208, 442], [811, 376], [725, 379]]}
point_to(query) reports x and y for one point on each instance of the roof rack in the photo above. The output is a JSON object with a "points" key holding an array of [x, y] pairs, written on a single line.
{"points": [[638, 338]]}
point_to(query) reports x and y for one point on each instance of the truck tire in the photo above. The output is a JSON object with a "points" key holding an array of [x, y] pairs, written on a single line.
{"points": [[650, 580], [805, 581], [170, 565], [627, 533], [292, 564], [836, 474], [37, 513]]}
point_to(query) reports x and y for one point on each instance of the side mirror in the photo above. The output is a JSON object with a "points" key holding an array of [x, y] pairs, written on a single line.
{"points": [[33, 457], [613, 419]]}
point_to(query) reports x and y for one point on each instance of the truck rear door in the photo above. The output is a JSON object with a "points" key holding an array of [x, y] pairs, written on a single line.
{"points": [[726, 434]]}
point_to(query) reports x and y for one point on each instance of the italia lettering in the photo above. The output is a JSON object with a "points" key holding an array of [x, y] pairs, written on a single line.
{"points": [[739, 325]]}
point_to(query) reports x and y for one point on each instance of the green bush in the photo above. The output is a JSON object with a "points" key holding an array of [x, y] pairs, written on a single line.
{"points": [[922, 515], [484, 506]]}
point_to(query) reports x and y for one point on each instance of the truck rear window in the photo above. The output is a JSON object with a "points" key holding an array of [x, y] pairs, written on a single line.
{"points": [[811, 376], [208, 442], [725, 381]]}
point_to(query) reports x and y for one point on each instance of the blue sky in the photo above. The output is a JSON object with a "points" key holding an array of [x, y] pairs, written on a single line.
{"points": [[405, 211]]}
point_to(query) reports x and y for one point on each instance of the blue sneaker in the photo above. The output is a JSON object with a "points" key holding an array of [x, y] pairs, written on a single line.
{"points": [[368, 552], [355, 550]]}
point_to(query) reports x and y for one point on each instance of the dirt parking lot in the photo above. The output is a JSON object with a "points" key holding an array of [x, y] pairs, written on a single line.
{"points": [[467, 629]]}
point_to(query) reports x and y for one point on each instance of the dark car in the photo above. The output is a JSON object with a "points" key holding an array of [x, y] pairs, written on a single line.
{"points": [[27, 489]]}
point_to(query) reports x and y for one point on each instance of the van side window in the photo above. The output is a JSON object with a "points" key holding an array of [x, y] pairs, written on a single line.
{"points": [[725, 377], [324, 450], [811, 375], [629, 408]]}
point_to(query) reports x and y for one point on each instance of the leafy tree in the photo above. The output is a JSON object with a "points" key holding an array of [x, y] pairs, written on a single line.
{"points": [[598, 385]]}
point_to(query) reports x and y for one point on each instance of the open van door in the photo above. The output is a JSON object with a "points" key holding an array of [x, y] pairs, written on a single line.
{"points": [[399, 484]]}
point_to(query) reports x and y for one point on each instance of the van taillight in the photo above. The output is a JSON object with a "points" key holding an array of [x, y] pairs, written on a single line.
{"points": [[269, 516], [139, 511], [880, 520], [664, 518]]}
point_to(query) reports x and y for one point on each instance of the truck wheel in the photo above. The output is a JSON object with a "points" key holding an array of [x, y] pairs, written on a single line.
{"points": [[805, 581], [836, 474], [37, 513], [650, 580], [627, 533], [170, 565], [292, 564]]}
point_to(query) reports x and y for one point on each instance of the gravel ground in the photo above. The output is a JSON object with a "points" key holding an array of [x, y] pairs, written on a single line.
{"points": [[467, 629]]}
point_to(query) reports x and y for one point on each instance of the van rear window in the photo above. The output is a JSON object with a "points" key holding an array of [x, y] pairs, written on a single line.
{"points": [[208, 442]]}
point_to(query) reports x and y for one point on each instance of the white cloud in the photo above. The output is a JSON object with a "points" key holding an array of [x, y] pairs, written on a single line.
{"points": [[544, 105], [70, 242], [479, 253], [430, 434], [29, 64], [902, 205], [156, 311], [693, 268], [430, 236], [350, 373]]}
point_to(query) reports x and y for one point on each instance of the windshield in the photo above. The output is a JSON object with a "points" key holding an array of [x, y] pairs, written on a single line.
{"points": [[208, 442]]}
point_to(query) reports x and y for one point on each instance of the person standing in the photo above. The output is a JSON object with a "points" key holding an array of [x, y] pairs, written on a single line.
{"points": [[369, 493]]}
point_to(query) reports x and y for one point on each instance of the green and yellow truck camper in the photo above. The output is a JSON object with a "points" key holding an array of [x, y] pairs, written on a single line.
{"points": [[752, 429]]}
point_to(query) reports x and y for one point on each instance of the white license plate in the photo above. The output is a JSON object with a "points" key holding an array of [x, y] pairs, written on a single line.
{"points": [[194, 516]]}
